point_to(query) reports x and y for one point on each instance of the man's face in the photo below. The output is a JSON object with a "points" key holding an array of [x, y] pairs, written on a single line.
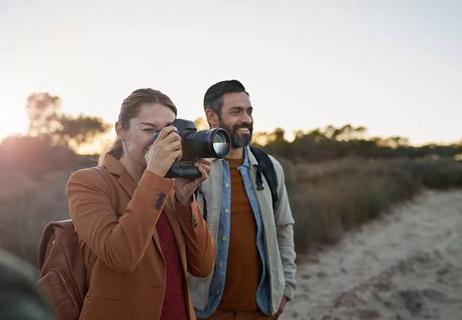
{"points": [[236, 118]]}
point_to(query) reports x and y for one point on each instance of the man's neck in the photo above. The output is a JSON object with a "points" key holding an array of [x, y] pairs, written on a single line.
{"points": [[237, 153]]}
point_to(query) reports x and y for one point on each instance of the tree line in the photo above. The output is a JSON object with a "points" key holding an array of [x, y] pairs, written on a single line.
{"points": [[54, 137], [348, 141]]}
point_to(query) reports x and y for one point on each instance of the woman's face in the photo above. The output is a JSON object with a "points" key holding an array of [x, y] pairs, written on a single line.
{"points": [[138, 137]]}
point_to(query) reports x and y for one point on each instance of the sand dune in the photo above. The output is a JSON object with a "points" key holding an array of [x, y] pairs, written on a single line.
{"points": [[406, 265]]}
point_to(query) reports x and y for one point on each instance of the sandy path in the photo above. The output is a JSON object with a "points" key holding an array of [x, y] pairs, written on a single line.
{"points": [[407, 265]]}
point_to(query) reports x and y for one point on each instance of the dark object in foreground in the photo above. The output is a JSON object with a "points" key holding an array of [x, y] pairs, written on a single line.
{"points": [[19, 297]]}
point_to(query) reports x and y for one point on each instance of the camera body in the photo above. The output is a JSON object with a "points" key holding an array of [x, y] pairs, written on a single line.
{"points": [[212, 143]]}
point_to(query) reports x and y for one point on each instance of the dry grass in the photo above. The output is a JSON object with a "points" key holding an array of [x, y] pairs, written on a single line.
{"points": [[330, 198], [27, 205]]}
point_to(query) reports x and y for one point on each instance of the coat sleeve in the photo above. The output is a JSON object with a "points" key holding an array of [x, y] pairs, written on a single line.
{"points": [[119, 243], [285, 233], [200, 247]]}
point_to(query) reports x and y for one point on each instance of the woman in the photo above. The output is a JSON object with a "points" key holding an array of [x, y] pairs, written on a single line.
{"points": [[140, 232]]}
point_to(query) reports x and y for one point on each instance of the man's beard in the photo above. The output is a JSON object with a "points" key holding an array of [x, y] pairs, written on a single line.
{"points": [[239, 140]]}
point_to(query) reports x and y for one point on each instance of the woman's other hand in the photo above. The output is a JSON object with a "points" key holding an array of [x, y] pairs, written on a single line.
{"points": [[184, 188]]}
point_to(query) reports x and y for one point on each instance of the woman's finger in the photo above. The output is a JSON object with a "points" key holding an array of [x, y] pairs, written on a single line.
{"points": [[204, 161], [204, 174], [165, 132], [173, 146], [171, 137], [206, 167], [177, 154]]}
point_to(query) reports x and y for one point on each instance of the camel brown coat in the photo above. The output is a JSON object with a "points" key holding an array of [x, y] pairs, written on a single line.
{"points": [[115, 223]]}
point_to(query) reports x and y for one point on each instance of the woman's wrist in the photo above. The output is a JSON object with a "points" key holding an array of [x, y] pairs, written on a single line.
{"points": [[157, 171]]}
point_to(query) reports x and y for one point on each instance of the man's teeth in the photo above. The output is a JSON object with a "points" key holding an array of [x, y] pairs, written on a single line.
{"points": [[243, 130]]}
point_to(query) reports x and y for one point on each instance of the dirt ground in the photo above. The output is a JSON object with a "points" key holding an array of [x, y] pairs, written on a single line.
{"points": [[406, 265]]}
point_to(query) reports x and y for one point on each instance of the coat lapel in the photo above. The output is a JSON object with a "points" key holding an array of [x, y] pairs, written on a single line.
{"points": [[125, 181]]}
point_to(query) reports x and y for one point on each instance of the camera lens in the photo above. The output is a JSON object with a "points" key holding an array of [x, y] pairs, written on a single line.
{"points": [[212, 143], [220, 144]]}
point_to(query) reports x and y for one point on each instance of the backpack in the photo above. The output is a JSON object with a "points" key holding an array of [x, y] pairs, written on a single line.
{"points": [[63, 274]]}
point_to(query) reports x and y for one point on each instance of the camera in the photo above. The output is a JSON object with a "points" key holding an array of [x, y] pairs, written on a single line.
{"points": [[212, 143]]}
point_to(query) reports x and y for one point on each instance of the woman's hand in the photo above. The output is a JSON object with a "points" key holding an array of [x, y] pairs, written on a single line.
{"points": [[164, 151], [184, 188]]}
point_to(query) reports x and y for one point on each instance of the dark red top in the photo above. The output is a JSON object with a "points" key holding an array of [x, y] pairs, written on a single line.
{"points": [[174, 305]]}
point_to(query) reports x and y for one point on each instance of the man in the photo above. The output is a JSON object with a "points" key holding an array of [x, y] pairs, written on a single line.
{"points": [[254, 274]]}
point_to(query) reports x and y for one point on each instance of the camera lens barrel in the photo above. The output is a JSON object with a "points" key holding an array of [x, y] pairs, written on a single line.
{"points": [[213, 143]]}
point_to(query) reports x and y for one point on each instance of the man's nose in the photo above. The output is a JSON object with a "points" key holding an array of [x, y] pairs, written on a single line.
{"points": [[246, 118]]}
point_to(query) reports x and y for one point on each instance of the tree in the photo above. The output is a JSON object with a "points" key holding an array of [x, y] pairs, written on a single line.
{"points": [[73, 131], [345, 133], [42, 109], [46, 119]]}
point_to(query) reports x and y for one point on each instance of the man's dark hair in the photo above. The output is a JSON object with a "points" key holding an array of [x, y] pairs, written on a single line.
{"points": [[213, 97]]}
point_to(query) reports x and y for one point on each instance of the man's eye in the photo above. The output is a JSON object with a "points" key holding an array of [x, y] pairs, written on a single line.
{"points": [[148, 129]]}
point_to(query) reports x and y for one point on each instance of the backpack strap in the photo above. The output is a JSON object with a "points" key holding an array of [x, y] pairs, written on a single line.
{"points": [[266, 167], [47, 234]]}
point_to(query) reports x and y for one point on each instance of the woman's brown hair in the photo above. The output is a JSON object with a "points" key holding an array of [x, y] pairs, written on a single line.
{"points": [[130, 108]]}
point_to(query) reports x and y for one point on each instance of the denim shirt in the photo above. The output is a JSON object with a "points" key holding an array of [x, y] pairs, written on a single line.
{"points": [[224, 227]]}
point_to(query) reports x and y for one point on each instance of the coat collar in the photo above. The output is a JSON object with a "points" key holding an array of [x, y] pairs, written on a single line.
{"points": [[116, 169]]}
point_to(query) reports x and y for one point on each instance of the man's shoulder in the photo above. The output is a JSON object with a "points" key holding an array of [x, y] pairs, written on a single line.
{"points": [[277, 165]]}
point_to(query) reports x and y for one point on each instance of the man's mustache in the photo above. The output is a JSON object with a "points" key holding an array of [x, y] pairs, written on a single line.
{"points": [[247, 126]]}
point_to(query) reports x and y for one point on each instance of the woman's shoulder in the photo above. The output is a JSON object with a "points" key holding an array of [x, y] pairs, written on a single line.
{"points": [[88, 176]]}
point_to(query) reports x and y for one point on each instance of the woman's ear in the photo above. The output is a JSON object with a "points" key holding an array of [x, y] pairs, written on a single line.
{"points": [[212, 118], [119, 131]]}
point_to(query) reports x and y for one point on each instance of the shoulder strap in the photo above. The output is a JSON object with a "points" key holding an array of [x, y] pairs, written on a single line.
{"points": [[48, 236], [204, 210], [266, 166]]}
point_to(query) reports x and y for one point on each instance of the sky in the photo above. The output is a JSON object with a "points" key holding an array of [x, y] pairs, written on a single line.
{"points": [[392, 66]]}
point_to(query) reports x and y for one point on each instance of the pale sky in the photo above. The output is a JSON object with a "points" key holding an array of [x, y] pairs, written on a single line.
{"points": [[392, 66]]}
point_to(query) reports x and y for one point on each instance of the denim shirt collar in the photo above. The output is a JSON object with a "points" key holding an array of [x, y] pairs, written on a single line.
{"points": [[249, 158], [246, 162]]}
